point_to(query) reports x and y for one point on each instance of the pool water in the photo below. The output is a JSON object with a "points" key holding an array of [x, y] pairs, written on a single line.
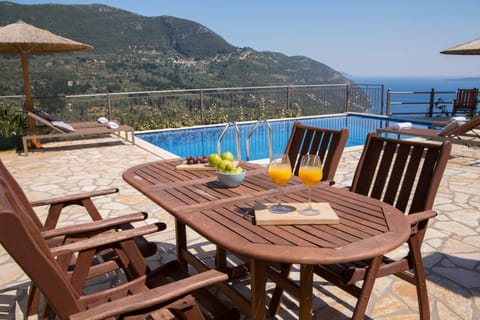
{"points": [[203, 140]]}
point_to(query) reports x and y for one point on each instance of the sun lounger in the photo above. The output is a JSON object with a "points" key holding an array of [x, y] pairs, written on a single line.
{"points": [[467, 133], [78, 129]]}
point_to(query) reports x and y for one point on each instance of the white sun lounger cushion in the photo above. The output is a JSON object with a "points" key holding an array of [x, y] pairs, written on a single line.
{"points": [[402, 125], [112, 125], [63, 126], [453, 124]]}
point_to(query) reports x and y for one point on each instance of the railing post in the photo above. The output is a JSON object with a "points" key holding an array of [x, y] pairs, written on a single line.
{"points": [[432, 103], [347, 97], [389, 99], [289, 93], [109, 106], [381, 100], [202, 107]]}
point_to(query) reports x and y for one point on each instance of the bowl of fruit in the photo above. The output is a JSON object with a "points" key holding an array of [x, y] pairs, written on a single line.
{"points": [[229, 173], [232, 178]]}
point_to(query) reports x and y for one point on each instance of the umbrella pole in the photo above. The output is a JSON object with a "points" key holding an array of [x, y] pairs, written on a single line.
{"points": [[28, 99]]}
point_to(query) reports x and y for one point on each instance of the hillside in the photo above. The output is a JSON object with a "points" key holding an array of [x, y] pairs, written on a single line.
{"points": [[136, 53]]}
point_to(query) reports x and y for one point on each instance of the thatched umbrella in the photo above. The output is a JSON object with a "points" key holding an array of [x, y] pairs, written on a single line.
{"points": [[467, 48], [25, 39]]}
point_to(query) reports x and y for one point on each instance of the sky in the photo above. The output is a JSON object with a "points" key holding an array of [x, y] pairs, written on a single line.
{"points": [[369, 38]]}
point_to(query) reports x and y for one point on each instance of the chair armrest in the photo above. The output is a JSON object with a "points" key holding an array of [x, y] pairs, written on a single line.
{"points": [[74, 197], [106, 239], [152, 297], [96, 226], [420, 216]]}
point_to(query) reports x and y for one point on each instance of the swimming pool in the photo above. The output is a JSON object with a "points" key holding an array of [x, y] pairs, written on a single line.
{"points": [[203, 140]]}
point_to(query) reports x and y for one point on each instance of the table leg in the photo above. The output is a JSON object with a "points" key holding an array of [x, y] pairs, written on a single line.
{"points": [[181, 237], [258, 279], [306, 292]]}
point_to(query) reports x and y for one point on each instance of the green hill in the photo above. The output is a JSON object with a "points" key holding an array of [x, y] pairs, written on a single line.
{"points": [[136, 53]]}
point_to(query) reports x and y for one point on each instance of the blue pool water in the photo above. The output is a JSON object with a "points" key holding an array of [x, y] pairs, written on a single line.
{"points": [[203, 140]]}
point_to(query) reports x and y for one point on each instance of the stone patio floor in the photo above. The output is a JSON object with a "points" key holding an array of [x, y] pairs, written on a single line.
{"points": [[451, 249]]}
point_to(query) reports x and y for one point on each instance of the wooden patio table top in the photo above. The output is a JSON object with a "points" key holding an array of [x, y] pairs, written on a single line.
{"points": [[368, 228]]}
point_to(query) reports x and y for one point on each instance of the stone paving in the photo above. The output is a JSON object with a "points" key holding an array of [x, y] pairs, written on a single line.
{"points": [[451, 249]]}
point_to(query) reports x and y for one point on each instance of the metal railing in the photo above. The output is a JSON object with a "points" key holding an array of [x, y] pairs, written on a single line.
{"points": [[178, 108], [269, 138], [424, 103]]}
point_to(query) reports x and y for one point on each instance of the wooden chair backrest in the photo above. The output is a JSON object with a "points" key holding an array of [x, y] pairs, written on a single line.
{"points": [[21, 197], [403, 173], [23, 241], [466, 101], [328, 144]]}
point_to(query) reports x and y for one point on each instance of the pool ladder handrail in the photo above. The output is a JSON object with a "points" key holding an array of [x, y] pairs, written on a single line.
{"points": [[237, 137], [269, 131]]}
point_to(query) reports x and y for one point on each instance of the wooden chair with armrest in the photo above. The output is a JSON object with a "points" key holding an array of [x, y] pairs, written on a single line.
{"points": [[60, 236], [466, 102], [405, 174], [145, 293]]}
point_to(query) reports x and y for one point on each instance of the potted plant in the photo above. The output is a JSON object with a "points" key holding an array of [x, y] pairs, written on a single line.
{"points": [[11, 127]]}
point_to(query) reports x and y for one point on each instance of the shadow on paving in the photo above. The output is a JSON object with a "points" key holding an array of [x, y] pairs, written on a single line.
{"points": [[456, 274]]}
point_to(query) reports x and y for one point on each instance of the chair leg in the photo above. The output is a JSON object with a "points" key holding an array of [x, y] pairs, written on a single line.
{"points": [[278, 292], [420, 282], [33, 300], [367, 288]]}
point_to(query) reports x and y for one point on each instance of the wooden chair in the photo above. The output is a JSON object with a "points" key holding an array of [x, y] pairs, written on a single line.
{"points": [[466, 102], [147, 293], [403, 173], [328, 144], [58, 236]]}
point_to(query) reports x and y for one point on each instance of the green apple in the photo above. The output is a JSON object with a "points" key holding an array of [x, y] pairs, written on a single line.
{"points": [[236, 170], [225, 166], [214, 159], [227, 155]]}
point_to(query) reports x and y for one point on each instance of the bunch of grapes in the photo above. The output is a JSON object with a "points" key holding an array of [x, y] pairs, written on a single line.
{"points": [[197, 159]]}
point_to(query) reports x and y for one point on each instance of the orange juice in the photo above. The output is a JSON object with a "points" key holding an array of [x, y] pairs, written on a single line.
{"points": [[310, 175], [280, 173]]}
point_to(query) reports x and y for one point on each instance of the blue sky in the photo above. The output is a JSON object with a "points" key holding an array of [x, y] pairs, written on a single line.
{"points": [[361, 38]]}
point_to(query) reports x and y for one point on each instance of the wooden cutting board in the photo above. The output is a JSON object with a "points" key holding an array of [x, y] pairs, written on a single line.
{"points": [[196, 166], [264, 217], [199, 166]]}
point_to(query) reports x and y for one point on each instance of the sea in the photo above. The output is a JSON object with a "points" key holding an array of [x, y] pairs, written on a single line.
{"points": [[444, 87]]}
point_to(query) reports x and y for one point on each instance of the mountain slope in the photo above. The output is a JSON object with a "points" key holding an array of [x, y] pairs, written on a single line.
{"points": [[134, 52]]}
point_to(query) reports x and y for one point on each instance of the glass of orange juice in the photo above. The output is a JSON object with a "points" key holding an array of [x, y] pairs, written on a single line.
{"points": [[310, 173], [280, 171]]}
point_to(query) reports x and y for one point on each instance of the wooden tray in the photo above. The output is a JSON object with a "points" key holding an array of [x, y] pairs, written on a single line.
{"points": [[196, 166], [264, 217]]}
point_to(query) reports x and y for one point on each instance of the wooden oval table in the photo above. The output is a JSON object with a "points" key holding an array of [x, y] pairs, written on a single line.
{"points": [[368, 228]]}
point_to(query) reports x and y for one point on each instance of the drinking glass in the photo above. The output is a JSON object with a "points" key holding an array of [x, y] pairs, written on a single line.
{"points": [[310, 173], [280, 171]]}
